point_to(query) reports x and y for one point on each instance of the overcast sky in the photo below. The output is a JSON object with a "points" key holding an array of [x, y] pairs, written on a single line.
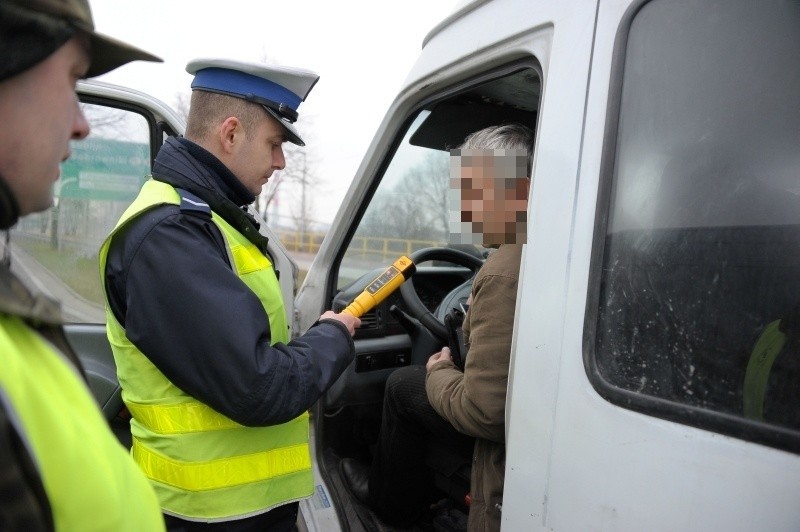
{"points": [[362, 49]]}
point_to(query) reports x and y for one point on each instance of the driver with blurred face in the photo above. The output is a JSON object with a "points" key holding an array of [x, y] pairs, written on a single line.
{"points": [[61, 468], [462, 409]]}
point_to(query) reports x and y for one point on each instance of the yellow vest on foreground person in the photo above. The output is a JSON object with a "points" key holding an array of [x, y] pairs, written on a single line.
{"points": [[90, 481], [60, 465]]}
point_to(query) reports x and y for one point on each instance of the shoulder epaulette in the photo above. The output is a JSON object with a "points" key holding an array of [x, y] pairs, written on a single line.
{"points": [[191, 202]]}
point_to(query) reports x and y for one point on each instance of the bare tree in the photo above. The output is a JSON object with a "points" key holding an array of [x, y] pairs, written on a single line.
{"points": [[181, 105], [302, 175], [297, 166], [299, 181], [416, 207], [269, 193], [429, 181], [115, 124]]}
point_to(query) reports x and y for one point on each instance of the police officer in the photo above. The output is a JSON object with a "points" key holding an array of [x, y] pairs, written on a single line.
{"points": [[218, 393], [60, 466]]}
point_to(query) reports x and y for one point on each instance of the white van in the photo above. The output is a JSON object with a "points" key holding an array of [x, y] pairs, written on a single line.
{"points": [[655, 375], [663, 239]]}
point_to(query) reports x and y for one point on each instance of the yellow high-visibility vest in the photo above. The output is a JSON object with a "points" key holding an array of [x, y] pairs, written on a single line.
{"points": [[203, 465], [90, 481]]}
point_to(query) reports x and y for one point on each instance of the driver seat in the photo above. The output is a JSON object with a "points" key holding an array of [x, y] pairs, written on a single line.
{"points": [[451, 464], [452, 469]]}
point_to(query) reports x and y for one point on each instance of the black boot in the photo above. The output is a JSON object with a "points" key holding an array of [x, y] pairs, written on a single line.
{"points": [[355, 477]]}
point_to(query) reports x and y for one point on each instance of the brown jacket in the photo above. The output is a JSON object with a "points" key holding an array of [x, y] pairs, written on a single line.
{"points": [[474, 402]]}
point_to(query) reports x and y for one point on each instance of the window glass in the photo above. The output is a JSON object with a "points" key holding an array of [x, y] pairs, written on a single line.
{"points": [[57, 249], [410, 209], [700, 288]]}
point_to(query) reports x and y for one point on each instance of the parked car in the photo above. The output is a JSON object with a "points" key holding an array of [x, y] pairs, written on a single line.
{"points": [[654, 381]]}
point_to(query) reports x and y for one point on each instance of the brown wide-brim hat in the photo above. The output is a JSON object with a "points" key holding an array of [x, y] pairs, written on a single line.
{"points": [[109, 53], [106, 54]]}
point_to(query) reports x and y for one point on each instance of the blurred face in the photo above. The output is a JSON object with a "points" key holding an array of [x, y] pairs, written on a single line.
{"points": [[40, 115], [258, 154], [491, 189]]}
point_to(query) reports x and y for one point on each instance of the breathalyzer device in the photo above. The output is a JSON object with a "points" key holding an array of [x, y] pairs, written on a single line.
{"points": [[381, 287]]}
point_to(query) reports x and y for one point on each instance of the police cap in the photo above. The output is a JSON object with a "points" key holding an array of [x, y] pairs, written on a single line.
{"points": [[279, 90]]}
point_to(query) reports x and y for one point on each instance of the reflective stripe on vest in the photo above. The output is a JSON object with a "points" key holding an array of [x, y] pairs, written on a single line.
{"points": [[90, 481], [756, 378], [215, 474], [204, 465], [180, 418]]}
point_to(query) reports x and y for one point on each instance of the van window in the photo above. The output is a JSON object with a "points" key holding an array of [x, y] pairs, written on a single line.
{"points": [[699, 296], [58, 247], [409, 210]]}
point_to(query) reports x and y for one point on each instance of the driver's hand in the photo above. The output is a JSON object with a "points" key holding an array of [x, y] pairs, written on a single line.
{"points": [[349, 321], [441, 356]]}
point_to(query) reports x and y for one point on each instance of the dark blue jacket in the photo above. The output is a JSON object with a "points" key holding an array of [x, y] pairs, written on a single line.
{"points": [[171, 286]]}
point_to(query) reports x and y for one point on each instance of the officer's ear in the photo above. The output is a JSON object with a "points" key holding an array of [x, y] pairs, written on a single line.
{"points": [[231, 133]]}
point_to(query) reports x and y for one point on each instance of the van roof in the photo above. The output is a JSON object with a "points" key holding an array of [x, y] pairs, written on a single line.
{"points": [[461, 9]]}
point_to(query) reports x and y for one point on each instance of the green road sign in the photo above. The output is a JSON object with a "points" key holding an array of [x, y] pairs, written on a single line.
{"points": [[104, 169]]}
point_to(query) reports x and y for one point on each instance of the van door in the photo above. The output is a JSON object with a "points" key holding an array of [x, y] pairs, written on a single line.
{"points": [[398, 204], [655, 382]]}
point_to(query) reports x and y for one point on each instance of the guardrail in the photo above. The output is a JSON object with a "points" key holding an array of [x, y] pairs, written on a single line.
{"points": [[369, 246]]}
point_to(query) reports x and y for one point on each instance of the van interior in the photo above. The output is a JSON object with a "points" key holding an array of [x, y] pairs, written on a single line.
{"points": [[407, 328]]}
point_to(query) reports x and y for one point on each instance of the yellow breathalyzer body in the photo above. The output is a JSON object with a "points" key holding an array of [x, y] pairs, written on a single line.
{"points": [[381, 287]]}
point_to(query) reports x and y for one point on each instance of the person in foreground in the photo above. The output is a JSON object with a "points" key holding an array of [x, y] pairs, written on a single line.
{"points": [[218, 393], [61, 468], [440, 402]]}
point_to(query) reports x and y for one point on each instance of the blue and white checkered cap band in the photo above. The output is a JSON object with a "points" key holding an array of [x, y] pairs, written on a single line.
{"points": [[246, 86]]}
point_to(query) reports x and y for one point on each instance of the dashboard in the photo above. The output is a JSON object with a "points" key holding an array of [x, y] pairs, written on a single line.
{"points": [[432, 284]]}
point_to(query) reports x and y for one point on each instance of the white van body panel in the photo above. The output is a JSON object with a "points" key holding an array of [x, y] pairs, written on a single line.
{"points": [[575, 461]]}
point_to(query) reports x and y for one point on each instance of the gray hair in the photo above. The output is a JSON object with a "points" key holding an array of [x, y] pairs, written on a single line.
{"points": [[502, 137]]}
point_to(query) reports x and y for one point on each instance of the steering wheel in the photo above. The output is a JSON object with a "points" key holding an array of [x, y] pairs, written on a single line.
{"points": [[412, 301]]}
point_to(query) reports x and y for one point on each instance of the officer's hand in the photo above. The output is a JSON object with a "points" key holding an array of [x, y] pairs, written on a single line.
{"points": [[441, 356], [349, 321]]}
